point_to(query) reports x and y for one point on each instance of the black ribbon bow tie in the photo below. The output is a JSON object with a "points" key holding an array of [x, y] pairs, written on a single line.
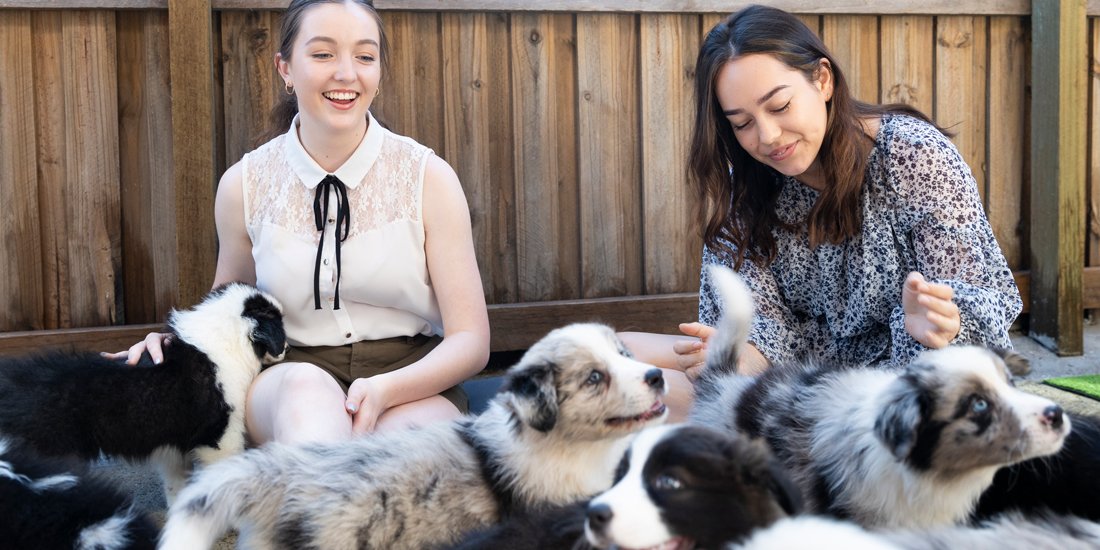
{"points": [[328, 185]]}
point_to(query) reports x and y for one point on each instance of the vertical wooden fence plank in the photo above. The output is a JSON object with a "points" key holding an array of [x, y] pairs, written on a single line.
{"points": [[91, 188], [669, 45], [150, 273], [811, 21], [250, 85], [21, 298], [1058, 158], [853, 41], [1008, 146], [411, 96], [1093, 182], [544, 109], [607, 126], [190, 47], [961, 87], [50, 130], [908, 47], [477, 136]]}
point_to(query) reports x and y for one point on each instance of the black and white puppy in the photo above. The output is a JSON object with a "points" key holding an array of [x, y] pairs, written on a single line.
{"points": [[888, 449], [1007, 532], [78, 403], [1067, 482], [676, 487], [50, 502], [552, 435]]}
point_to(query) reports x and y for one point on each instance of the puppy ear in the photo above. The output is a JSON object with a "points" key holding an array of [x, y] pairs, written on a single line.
{"points": [[268, 335], [903, 406], [786, 493], [1016, 363], [534, 395]]}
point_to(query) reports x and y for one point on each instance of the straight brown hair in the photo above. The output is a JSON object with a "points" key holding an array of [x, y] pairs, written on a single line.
{"points": [[735, 194]]}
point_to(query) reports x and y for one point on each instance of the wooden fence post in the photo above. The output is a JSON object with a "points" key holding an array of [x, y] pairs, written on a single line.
{"points": [[1058, 121], [190, 50]]}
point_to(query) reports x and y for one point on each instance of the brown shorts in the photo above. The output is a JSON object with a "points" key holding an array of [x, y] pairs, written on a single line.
{"points": [[371, 357]]}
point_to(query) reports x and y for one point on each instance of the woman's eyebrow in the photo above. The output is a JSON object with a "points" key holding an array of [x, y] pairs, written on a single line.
{"points": [[760, 101]]}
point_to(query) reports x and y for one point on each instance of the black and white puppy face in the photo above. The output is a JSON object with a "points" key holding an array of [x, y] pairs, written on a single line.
{"points": [[581, 381], [684, 486], [955, 410], [236, 312]]}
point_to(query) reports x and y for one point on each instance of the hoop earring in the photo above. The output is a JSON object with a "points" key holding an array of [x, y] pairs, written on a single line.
{"points": [[377, 92], [289, 88]]}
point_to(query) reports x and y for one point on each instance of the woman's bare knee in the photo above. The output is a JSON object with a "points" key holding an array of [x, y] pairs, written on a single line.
{"points": [[296, 403], [417, 413]]}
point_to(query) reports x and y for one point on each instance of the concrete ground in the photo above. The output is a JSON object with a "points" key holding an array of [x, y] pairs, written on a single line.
{"points": [[144, 484]]}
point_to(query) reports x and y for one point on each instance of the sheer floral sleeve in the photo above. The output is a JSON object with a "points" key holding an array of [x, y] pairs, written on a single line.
{"points": [[948, 239]]}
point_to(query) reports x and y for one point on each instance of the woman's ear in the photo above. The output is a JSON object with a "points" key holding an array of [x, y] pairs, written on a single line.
{"points": [[824, 80], [282, 66]]}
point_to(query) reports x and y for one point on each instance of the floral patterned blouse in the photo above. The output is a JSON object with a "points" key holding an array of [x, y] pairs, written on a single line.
{"points": [[842, 302]]}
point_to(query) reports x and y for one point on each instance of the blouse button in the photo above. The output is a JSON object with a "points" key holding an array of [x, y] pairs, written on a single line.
{"points": [[332, 220], [348, 335], [326, 261]]}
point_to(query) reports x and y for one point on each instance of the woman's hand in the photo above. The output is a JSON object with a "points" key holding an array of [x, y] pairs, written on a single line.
{"points": [[931, 315], [691, 355], [154, 343], [365, 403]]}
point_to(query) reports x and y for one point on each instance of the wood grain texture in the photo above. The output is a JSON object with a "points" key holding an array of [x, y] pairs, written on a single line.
{"points": [[478, 140], [672, 247], [854, 42], [908, 59], [1092, 227], [544, 109], [193, 144], [608, 156], [1058, 155], [147, 193], [90, 105], [1009, 52], [960, 106], [411, 94], [987, 7], [249, 82], [21, 288]]}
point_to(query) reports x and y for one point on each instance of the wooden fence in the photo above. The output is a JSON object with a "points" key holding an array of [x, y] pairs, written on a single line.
{"points": [[568, 129]]}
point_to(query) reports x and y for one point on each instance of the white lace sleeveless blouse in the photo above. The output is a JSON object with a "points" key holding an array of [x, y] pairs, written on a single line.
{"points": [[384, 287]]}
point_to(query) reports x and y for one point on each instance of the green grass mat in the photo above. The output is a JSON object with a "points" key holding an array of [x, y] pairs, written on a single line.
{"points": [[1088, 385]]}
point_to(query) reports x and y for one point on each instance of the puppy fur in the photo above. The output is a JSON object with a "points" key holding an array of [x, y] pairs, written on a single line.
{"points": [[78, 403], [911, 448], [552, 435], [676, 487], [1008, 532], [50, 502], [1067, 482]]}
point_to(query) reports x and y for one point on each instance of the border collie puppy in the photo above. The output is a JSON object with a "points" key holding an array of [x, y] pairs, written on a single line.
{"points": [[1067, 482], [676, 487], [1009, 532], [552, 435], [888, 449], [78, 403], [54, 503]]}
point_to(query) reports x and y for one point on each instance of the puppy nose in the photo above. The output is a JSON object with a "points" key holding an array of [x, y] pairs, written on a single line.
{"points": [[599, 515], [654, 379], [1053, 415]]}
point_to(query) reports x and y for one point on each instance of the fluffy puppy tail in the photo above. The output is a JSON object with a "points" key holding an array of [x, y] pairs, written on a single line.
{"points": [[214, 501], [724, 348]]}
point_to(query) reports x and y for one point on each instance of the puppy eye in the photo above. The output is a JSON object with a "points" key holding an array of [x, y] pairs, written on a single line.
{"points": [[666, 482], [595, 377], [978, 405]]}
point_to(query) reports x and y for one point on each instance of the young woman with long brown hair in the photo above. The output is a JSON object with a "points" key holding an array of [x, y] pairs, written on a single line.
{"points": [[858, 227]]}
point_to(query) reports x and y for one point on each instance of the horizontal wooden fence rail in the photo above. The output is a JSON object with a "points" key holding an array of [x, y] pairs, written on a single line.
{"points": [[513, 326]]}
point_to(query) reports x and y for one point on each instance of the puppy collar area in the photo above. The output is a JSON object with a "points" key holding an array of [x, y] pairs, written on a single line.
{"points": [[331, 184]]}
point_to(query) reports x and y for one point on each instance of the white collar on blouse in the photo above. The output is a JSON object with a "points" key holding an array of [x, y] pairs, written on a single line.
{"points": [[352, 172]]}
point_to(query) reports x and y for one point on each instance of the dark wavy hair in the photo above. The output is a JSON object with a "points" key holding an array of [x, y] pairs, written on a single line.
{"points": [[287, 105], [736, 194]]}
